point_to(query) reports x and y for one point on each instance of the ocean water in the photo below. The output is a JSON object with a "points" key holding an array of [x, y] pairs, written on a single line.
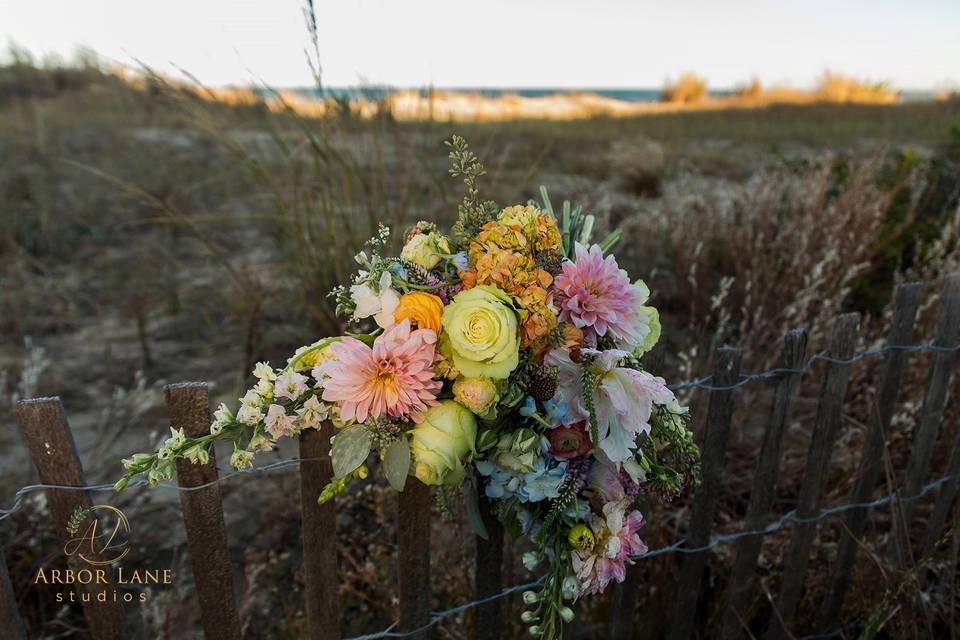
{"points": [[629, 95], [640, 94]]}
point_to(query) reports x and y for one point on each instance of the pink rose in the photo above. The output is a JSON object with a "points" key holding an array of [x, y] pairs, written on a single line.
{"points": [[569, 441]]}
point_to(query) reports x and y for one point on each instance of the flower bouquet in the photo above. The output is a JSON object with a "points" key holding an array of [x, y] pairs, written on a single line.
{"points": [[505, 359]]}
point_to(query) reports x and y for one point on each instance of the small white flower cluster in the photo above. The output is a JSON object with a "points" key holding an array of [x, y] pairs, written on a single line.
{"points": [[282, 404]]}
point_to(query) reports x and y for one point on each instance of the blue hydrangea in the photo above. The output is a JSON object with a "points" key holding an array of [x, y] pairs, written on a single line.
{"points": [[542, 483], [557, 411], [460, 261], [529, 407]]}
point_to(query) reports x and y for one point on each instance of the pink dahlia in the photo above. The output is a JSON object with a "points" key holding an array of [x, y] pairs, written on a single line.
{"points": [[596, 295], [394, 378]]}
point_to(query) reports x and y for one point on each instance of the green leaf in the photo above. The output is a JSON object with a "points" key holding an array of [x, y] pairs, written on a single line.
{"points": [[471, 506], [350, 448], [547, 206], [396, 463], [611, 240], [586, 231]]}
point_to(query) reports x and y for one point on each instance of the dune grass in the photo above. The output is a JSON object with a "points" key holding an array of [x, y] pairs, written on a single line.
{"points": [[147, 227]]}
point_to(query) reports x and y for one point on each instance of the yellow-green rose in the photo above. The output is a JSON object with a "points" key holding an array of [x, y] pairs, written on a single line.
{"points": [[480, 333], [424, 249], [653, 321], [477, 394], [651, 316], [441, 442]]}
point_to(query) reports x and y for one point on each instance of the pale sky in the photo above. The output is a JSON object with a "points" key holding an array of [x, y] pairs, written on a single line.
{"points": [[914, 44]]}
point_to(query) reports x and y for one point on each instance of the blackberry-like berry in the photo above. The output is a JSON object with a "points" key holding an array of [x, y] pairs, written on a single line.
{"points": [[543, 383]]}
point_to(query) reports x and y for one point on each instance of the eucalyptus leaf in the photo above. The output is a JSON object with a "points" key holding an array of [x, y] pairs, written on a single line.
{"points": [[396, 463], [471, 506], [350, 448]]}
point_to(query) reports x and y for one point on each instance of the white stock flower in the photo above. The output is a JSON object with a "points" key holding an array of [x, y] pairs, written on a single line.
{"points": [[312, 413], [290, 385], [381, 306], [241, 459], [263, 371], [249, 415], [251, 399], [278, 422]]}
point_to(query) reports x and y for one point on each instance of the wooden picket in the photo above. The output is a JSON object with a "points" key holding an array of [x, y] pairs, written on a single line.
{"points": [[905, 302], [764, 486], [488, 576], [726, 372], [319, 532], [626, 594], [415, 503], [43, 424], [935, 397], [189, 409], [10, 619], [50, 443], [842, 346]]}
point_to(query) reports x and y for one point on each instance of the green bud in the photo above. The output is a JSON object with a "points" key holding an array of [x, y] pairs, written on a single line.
{"points": [[534, 630], [165, 470], [121, 483], [566, 613], [529, 616], [530, 597]]}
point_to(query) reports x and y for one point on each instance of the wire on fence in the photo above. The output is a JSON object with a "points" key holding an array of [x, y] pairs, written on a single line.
{"points": [[676, 547], [745, 378], [701, 383]]}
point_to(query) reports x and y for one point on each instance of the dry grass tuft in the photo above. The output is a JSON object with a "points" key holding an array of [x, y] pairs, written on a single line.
{"points": [[688, 88]]}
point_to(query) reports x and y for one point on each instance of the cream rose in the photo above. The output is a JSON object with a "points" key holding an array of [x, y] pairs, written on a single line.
{"points": [[480, 333]]}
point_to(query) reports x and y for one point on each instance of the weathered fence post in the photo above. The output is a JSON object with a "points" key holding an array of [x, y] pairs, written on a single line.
{"points": [[10, 620], [948, 491], [625, 594], [44, 426], [905, 302], [415, 504], [829, 414], [189, 409], [726, 373], [488, 576], [319, 531], [935, 396], [764, 486]]}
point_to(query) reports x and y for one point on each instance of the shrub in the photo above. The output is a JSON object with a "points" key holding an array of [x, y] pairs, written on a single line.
{"points": [[688, 88], [836, 87]]}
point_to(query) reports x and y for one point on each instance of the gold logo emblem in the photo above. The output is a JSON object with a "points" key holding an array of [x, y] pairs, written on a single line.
{"points": [[98, 534]]}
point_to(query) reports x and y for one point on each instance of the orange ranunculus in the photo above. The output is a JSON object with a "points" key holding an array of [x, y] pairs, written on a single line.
{"points": [[424, 310], [573, 340]]}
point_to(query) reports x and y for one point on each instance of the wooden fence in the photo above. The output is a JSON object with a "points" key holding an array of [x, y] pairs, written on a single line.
{"points": [[48, 437]]}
